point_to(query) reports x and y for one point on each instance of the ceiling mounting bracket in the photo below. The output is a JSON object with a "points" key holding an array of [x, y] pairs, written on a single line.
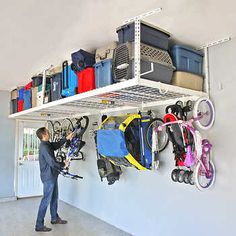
{"points": [[214, 43], [144, 15]]}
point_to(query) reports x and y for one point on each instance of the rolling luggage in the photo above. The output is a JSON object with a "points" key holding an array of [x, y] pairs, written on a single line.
{"points": [[13, 106], [69, 81], [103, 73], [86, 80], [81, 60], [20, 105], [56, 86], [105, 52], [20, 93], [27, 99], [123, 63]]}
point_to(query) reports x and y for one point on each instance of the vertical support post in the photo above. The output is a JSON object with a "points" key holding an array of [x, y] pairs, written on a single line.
{"points": [[44, 85], [137, 38], [206, 68]]}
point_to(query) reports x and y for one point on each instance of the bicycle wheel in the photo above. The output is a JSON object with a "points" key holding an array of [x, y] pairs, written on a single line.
{"points": [[186, 177], [56, 131], [162, 135], [66, 126], [174, 174], [49, 125], [204, 180], [204, 109]]}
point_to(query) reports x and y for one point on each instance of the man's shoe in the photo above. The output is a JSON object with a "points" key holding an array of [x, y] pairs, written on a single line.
{"points": [[59, 221], [44, 229]]}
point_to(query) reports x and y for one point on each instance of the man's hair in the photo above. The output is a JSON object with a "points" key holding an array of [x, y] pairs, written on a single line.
{"points": [[40, 132]]}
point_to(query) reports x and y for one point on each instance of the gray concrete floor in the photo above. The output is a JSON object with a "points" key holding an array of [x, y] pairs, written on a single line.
{"points": [[17, 218]]}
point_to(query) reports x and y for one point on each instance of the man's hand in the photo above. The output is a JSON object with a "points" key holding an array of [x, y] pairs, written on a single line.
{"points": [[70, 136], [67, 163]]}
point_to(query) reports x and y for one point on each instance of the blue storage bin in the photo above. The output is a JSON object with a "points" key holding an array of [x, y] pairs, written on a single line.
{"points": [[150, 35], [103, 73], [21, 93], [69, 81], [187, 59], [27, 99]]}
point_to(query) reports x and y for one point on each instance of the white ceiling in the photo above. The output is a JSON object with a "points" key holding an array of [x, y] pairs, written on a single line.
{"points": [[38, 33]]}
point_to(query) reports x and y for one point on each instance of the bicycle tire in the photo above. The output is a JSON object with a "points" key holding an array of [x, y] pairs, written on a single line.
{"points": [[201, 106], [147, 139], [174, 175], [186, 177], [209, 184], [50, 126]]}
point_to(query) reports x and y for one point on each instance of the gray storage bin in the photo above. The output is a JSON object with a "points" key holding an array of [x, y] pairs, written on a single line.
{"points": [[150, 35], [123, 63]]}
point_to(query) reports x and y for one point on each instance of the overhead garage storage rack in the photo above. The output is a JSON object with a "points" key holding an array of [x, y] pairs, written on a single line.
{"points": [[136, 93], [126, 95]]}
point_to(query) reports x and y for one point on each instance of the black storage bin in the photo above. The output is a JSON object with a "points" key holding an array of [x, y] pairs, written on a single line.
{"points": [[150, 35], [56, 86], [38, 80], [13, 106]]}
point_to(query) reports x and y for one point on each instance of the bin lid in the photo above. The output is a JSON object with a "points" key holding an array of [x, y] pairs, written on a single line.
{"points": [[180, 46], [147, 24]]}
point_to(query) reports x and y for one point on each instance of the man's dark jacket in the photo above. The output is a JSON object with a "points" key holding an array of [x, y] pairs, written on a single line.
{"points": [[49, 167]]}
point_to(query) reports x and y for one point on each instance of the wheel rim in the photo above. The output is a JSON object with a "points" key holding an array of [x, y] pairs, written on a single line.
{"points": [[204, 179], [162, 135], [174, 175], [205, 107], [186, 177]]}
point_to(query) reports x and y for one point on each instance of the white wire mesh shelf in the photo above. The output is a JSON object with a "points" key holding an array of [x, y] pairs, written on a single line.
{"points": [[130, 94]]}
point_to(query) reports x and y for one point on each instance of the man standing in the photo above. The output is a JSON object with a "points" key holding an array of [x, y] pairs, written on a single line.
{"points": [[49, 171]]}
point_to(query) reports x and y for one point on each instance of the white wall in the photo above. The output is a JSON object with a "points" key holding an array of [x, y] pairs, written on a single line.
{"points": [[7, 151], [147, 203]]}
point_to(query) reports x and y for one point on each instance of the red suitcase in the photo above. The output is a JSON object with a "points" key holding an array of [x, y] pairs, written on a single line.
{"points": [[28, 86], [86, 80], [20, 106]]}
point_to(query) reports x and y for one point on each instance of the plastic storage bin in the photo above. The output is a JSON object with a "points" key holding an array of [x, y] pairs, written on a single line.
{"points": [[86, 80], [34, 96], [69, 81], [82, 60], [103, 73], [38, 80], [150, 35], [20, 105], [105, 52], [13, 106], [27, 99], [187, 59], [56, 86], [187, 80], [14, 94]]}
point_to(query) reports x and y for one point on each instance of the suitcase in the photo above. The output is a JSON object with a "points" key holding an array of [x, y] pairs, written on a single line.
{"points": [[14, 94], [38, 80], [86, 80], [103, 73], [13, 106], [34, 96], [56, 86], [69, 81], [105, 52], [187, 59], [82, 60], [27, 99], [123, 63], [21, 93], [20, 105], [187, 80], [150, 35], [28, 86]]}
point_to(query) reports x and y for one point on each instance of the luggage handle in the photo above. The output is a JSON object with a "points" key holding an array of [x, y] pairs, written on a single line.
{"points": [[65, 66], [122, 66], [149, 71], [104, 55]]}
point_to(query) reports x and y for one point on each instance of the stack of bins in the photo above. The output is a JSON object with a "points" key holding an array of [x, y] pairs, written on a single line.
{"points": [[28, 96], [20, 100], [188, 63], [153, 54], [103, 66], [13, 104]]}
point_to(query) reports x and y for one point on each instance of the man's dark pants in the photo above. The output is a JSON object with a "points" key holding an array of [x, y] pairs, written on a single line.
{"points": [[50, 196]]}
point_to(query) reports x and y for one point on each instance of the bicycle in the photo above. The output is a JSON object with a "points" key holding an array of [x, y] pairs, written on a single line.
{"points": [[197, 155]]}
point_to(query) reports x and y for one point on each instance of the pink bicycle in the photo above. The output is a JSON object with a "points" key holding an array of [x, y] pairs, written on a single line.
{"points": [[197, 155]]}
